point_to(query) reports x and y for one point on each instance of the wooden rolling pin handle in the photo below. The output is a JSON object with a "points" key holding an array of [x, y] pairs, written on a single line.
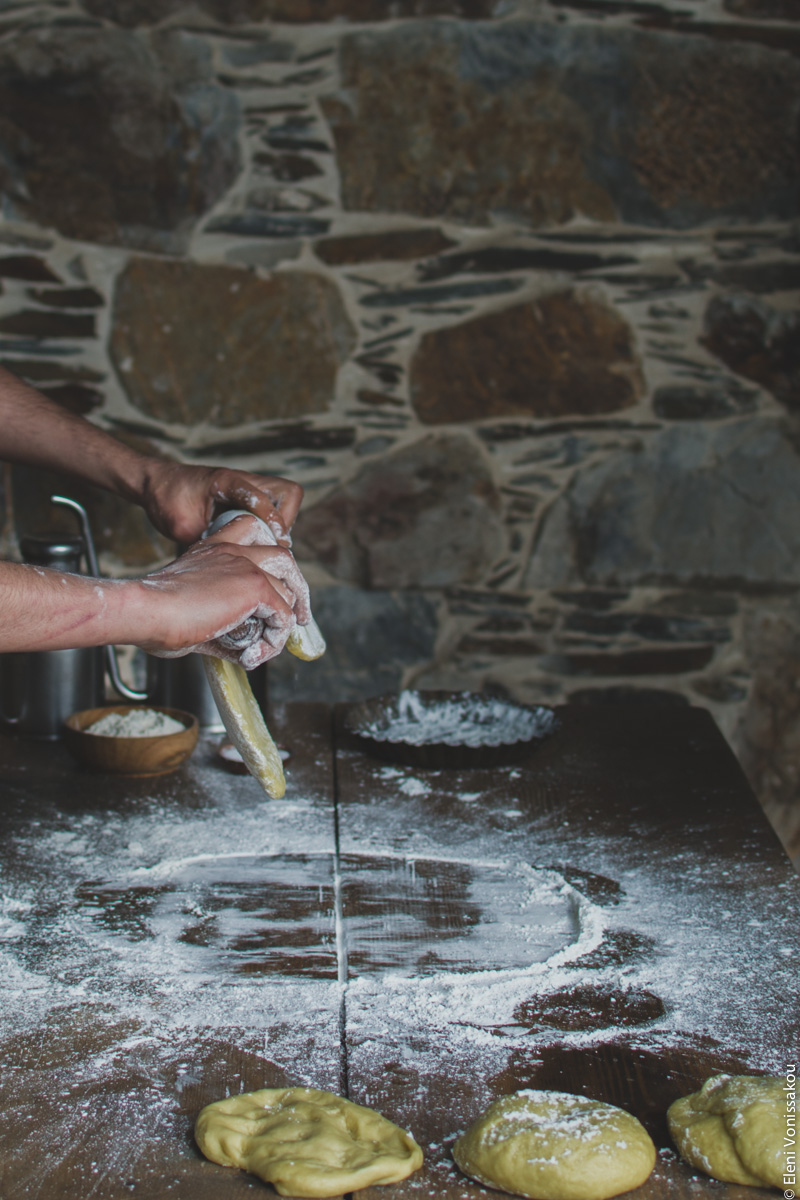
{"points": [[251, 630]]}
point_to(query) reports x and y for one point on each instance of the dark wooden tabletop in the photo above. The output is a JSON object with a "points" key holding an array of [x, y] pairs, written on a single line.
{"points": [[611, 916]]}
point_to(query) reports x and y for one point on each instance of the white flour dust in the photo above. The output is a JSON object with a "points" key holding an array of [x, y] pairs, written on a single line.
{"points": [[213, 912]]}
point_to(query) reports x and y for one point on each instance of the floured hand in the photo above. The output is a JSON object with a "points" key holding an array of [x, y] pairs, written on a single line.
{"points": [[181, 500], [215, 588]]}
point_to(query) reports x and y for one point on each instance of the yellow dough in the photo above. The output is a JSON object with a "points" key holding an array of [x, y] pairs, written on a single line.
{"points": [[244, 723], [242, 716], [733, 1129], [306, 641], [556, 1146], [306, 1142]]}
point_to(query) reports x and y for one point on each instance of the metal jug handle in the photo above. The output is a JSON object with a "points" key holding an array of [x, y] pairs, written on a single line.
{"points": [[110, 652]]}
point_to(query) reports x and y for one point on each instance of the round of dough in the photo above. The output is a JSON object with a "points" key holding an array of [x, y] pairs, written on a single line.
{"points": [[306, 1142], [733, 1129], [556, 1146]]}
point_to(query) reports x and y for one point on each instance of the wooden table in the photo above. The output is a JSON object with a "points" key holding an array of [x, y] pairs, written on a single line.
{"points": [[612, 916]]}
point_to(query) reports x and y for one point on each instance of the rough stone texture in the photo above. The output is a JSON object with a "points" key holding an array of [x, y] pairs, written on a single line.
{"points": [[597, 123], [26, 266], [77, 297], [234, 12], [425, 516], [680, 403], [450, 108], [520, 258], [374, 638], [764, 10], [695, 504], [38, 372], [35, 323], [768, 736], [677, 660], [383, 247], [561, 355], [217, 344], [757, 341], [684, 154], [149, 158]]}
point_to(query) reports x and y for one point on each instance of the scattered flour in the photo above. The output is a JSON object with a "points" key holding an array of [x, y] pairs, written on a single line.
{"points": [[171, 926], [139, 722]]}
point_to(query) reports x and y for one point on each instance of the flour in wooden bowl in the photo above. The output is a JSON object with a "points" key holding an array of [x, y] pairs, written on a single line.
{"points": [[139, 722]]}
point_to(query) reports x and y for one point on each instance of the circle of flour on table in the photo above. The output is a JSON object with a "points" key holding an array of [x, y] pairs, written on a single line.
{"points": [[306, 1142], [556, 1146], [733, 1129]]}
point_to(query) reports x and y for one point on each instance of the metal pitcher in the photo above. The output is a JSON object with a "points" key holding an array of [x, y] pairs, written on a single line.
{"points": [[40, 688]]}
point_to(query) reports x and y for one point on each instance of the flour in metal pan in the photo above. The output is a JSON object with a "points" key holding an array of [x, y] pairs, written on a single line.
{"points": [[465, 720]]}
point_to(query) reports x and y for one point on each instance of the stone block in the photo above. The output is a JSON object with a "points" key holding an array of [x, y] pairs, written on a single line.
{"points": [[541, 123], [96, 140], [561, 355], [676, 660], [424, 516], [757, 341], [692, 504], [35, 323], [396, 245], [297, 12], [677, 402], [28, 267], [626, 694], [768, 735], [764, 10], [195, 343], [651, 627], [76, 297]]}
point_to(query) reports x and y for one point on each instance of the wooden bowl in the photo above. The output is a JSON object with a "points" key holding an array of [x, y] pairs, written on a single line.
{"points": [[140, 756]]}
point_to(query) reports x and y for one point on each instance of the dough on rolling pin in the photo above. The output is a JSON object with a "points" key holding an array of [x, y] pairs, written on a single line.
{"points": [[733, 1129], [556, 1146], [306, 1142]]}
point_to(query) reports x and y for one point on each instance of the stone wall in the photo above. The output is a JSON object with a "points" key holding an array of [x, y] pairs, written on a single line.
{"points": [[511, 288]]}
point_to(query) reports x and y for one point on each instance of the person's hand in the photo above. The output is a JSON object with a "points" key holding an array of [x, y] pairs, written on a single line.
{"points": [[181, 500], [215, 587]]}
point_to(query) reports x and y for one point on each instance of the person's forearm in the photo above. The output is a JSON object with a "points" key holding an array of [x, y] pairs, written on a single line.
{"points": [[187, 605], [49, 610], [180, 500], [35, 430]]}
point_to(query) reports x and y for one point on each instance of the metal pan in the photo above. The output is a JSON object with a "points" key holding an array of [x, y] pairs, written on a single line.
{"points": [[438, 730]]}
